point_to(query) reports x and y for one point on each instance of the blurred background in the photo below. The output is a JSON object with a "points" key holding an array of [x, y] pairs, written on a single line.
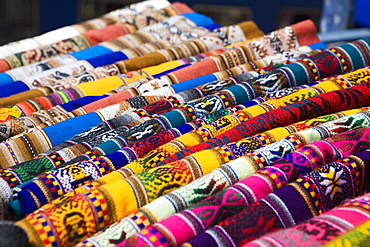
{"points": [[21, 19]]}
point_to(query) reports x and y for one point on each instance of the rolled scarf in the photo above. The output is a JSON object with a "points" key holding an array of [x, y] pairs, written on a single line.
{"points": [[96, 23], [65, 96], [159, 155], [222, 177], [183, 114], [228, 95], [234, 57], [67, 180], [56, 127], [161, 180], [57, 159], [160, 30], [227, 132], [62, 96], [84, 44], [61, 84], [319, 230], [279, 75], [129, 19], [222, 37], [309, 196], [358, 236], [23, 67], [81, 143], [122, 200]]}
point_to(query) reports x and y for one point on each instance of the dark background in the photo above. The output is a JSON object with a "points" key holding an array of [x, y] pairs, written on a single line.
{"points": [[21, 19]]}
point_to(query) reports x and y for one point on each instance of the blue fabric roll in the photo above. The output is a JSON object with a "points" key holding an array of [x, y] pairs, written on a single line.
{"points": [[185, 128], [109, 146], [199, 19], [212, 26], [170, 70], [5, 78], [107, 59], [62, 131], [119, 159], [179, 87], [355, 54], [92, 52], [12, 88], [74, 104], [319, 45]]}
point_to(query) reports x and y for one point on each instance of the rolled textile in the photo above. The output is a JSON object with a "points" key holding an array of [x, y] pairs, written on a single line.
{"points": [[119, 204], [76, 29], [217, 180], [321, 229], [123, 194]]}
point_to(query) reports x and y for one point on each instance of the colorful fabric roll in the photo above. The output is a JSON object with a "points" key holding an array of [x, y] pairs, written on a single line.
{"points": [[82, 42], [233, 132], [358, 236], [19, 174], [86, 76], [47, 102], [288, 37], [131, 152], [318, 230], [76, 29], [175, 118], [183, 50], [95, 137], [309, 196], [42, 119], [190, 47], [157, 125], [110, 114], [107, 113], [115, 200], [218, 179], [130, 21], [234, 57], [160, 30], [188, 112], [228, 122]]}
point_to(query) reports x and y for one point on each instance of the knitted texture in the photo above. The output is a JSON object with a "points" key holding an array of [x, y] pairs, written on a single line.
{"points": [[308, 196], [118, 199], [81, 42], [202, 132], [228, 122], [327, 226], [232, 132], [234, 57], [219, 206], [216, 180], [295, 112], [359, 236]]}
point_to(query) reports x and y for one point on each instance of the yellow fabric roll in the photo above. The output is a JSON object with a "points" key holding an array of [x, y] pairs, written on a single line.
{"points": [[100, 86]]}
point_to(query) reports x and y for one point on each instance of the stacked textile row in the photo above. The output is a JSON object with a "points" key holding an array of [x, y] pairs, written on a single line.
{"points": [[154, 126]]}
